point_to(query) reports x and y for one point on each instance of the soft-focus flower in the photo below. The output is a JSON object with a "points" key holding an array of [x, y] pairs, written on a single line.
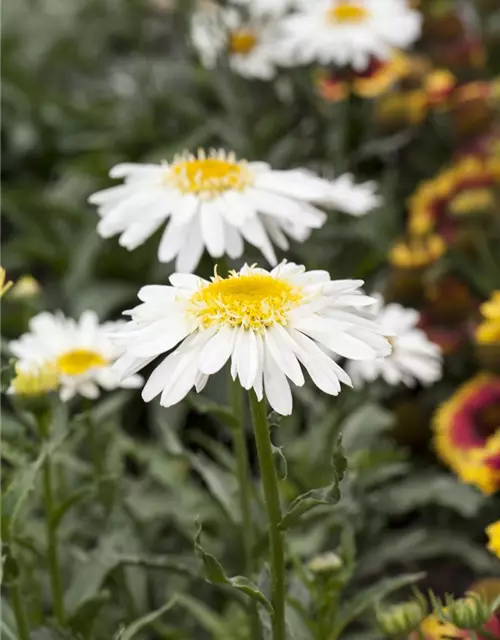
{"points": [[349, 32], [467, 432], [38, 381], [80, 350], [274, 8], [266, 323], [439, 85], [216, 201], [4, 286], [355, 199], [488, 331], [413, 359], [26, 287], [493, 533], [325, 563], [401, 619], [402, 109], [376, 79], [250, 44], [417, 252], [462, 192]]}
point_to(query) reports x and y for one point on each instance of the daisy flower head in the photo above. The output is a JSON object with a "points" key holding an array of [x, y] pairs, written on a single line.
{"points": [[249, 43], [467, 432], [274, 8], [212, 200], [414, 359], [80, 352], [267, 323], [349, 32]]}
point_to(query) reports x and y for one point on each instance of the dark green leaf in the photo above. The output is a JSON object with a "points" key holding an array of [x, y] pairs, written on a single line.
{"points": [[133, 629]]}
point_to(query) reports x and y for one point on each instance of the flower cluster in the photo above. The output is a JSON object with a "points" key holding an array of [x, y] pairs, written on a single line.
{"points": [[334, 32]]}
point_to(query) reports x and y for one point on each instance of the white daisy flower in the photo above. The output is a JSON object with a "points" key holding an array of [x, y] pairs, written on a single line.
{"points": [[274, 8], [249, 43], [81, 352], [266, 323], [355, 199], [214, 201], [414, 357], [349, 32]]}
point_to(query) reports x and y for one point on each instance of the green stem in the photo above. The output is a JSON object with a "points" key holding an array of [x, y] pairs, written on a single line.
{"points": [[272, 499], [52, 545], [242, 472], [19, 612]]}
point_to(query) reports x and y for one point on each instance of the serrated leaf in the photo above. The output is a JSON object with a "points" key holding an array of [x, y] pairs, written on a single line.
{"points": [[133, 629], [326, 495], [216, 575], [369, 597]]}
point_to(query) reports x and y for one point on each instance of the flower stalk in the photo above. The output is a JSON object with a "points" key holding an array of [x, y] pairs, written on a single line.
{"points": [[19, 612], [242, 472], [52, 542], [272, 500]]}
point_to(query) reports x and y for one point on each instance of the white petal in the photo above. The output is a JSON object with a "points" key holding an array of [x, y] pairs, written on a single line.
{"points": [[280, 345], [217, 351], [171, 241], [192, 249], [245, 356], [276, 387], [212, 229]]}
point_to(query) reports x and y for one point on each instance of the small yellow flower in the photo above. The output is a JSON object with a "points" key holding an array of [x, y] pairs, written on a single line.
{"points": [[493, 533], [488, 332], [4, 286], [417, 252], [36, 382]]}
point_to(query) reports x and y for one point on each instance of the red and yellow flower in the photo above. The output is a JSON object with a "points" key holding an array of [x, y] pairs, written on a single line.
{"points": [[467, 432], [493, 533], [455, 195]]}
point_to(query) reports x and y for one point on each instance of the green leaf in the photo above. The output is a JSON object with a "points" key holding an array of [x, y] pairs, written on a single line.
{"points": [[326, 495], [207, 619], [369, 597], [204, 405], [417, 491], [280, 462], [364, 426], [216, 575], [221, 484], [133, 629], [23, 484], [77, 496]]}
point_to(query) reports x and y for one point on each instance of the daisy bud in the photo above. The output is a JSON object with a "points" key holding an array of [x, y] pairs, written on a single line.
{"points": [[402, 619], [326, 563], [471, 612]]}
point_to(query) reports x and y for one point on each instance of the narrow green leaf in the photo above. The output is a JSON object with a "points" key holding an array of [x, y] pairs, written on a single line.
{"points": [[133, 629], [71, 501], [216, 574], [221, 484], [280, 462], [206, 618]]}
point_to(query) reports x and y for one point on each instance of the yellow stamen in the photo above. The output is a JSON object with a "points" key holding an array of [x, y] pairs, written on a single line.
{"points": [[37, 382], [208, 176], [353, 12], [78, 361], [254, 301], [242, 41]]}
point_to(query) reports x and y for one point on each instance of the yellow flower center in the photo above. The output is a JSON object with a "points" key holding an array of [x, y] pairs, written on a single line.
{"points": [[348, 12], [242, 41], [37, 382], [472, 201], [208, 176], [78, 361], [254, 301]]}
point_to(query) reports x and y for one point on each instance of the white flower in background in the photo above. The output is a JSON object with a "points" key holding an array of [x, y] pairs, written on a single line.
{"points": [[355, 199], [80, 351], [274, 8], [266, 323], [349, 32], [414, 357], [213, 200], [249, 43]]}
